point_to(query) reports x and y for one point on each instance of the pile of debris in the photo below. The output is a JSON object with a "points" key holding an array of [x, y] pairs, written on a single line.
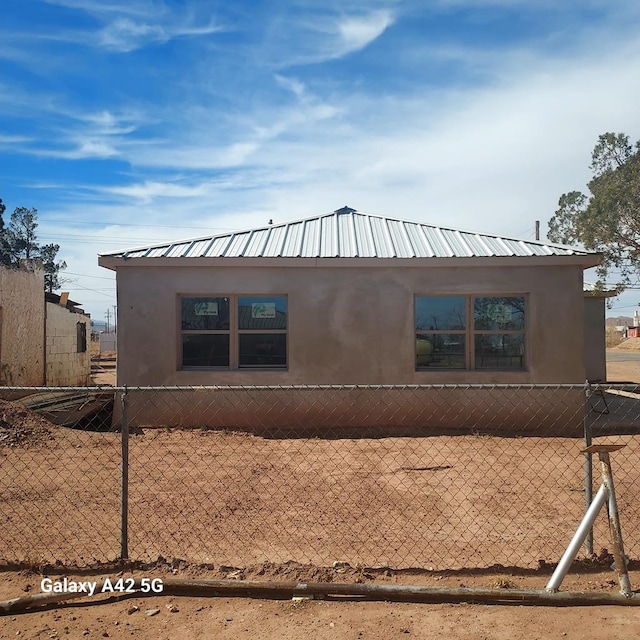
{"points": [[21, 427]]}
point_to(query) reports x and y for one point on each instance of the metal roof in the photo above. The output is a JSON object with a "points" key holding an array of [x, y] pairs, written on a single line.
{"points": [[347, 233]]}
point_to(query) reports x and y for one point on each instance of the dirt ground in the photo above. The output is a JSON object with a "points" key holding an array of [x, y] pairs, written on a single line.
{"points": [[400, 492], [187, 618]]}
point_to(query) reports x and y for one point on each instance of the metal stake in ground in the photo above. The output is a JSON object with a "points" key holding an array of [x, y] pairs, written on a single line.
{"points": [[606, 493]]}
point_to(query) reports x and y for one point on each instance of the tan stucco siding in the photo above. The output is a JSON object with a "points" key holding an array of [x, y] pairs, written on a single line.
{"points": [[22, 326], [594, 338], [348, 325], [65, 365]]}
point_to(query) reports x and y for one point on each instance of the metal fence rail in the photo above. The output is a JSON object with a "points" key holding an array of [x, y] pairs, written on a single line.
{"points": [[441, 476]]}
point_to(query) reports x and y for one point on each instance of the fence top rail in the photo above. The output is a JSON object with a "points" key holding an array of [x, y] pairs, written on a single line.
{"points": [[631, 387]]}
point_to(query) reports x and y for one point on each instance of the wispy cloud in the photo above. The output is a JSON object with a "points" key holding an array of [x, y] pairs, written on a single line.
{"points": [[357, 32], [106, 7], [148, 190], [124, 35], [83, 150], [133, 25], [13, 139], [330, 33]]}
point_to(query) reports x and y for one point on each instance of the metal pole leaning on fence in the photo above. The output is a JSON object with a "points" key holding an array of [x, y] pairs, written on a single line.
{"points": [[124, 504], [588, 465], [606, 494]]}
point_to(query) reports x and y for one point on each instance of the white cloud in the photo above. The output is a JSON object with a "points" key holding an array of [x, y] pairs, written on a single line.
{"points": [[148, 190], [124, 35], [83, 150], [330, 34], [133, 7], [357, 32], [13, 139]]}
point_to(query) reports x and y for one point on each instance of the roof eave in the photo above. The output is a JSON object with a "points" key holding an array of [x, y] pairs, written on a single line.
{"points": [[584, 260]]}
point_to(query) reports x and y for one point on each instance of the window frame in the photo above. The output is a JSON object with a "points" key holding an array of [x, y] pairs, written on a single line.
{"points": [[234, 332], [470, 332]]}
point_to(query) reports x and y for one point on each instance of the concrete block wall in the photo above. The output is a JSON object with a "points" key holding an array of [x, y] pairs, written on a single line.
{"points": [[65, 365], [22, 325]]}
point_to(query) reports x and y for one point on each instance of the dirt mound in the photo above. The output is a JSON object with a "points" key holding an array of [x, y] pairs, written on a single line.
{"points": [[21, 427], [630, 344]]}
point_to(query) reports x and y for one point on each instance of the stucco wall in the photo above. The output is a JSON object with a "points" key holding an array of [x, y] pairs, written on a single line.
{"points": [[594, 338], [352, 326], [348, 325], [65, 365], [22, 325]]}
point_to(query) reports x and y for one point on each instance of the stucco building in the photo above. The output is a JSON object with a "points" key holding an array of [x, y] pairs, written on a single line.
{"points": [[349, 298], [42, 342], [22, 325]]}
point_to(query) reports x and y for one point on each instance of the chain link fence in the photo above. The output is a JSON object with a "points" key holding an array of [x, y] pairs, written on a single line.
{"points": [[432, 477]]}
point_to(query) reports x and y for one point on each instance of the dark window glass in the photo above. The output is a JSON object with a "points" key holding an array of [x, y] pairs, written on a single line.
{"points": [[499, 351], [441, 313], [263, 350], [205, 314], [499, 313], [440, 351], [81, 334], [264, 312], [205, 350]]}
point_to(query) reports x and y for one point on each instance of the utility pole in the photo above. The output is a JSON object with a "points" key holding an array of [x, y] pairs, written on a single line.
{"points": [[108, 314], [537, 229]]}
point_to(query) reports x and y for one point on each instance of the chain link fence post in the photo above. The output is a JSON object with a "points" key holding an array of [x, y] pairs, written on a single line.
{"points": [[124, 512], [588, 465]]}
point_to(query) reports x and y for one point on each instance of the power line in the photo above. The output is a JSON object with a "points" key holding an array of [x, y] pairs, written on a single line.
{"points": [[84, 275]]}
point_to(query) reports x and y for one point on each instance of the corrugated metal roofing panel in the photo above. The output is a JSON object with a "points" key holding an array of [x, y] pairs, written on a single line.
{"points": [[237, 244], [328, 237], [273, 245], [366, 240], [157, 252], [178, 250], [197, 248], [292, 240], [381, 238], [456, 243], [351, 234], [310, 245], [475, 243], [347, 242], [419, 242], [436, 242], [496, 247], [218, 246], [401, 245], [256, 243]]}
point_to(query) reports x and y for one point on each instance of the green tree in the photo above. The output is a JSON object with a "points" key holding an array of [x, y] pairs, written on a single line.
{"points": [[19, 241], [52, 267], [5, 257], [22, 233], [606, 220]]}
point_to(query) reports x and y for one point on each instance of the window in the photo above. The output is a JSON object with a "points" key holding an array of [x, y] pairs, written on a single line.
{"points": [[262, 332], [470, 332], [234, 332], [81, 337]]}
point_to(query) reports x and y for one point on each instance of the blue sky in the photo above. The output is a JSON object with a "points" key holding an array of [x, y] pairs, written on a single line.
{"points": [[131, 122]]}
